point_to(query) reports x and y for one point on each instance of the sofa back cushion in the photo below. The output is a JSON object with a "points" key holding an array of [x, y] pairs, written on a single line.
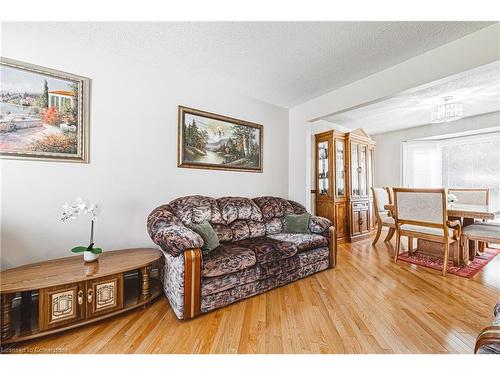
{"points": [[297, 208], [238, 208], [273, 207], [195, 209]]}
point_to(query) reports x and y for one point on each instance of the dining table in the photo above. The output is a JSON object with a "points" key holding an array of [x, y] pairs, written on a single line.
{"points": [[467, 214]]}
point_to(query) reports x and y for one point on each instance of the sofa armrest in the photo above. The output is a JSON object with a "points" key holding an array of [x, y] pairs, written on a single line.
{"points": [[488, 341], [168, 232], [319, 225], [175, 239]]}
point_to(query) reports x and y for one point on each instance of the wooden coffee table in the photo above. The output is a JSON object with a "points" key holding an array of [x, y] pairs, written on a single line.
{"points": [[64, 293]]}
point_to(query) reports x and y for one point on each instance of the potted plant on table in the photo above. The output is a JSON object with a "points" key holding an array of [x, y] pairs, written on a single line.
{"points": [[72, 211], [451, 199]]}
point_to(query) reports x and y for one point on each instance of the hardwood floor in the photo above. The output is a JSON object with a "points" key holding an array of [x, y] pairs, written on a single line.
{"points": [[368, 304]]}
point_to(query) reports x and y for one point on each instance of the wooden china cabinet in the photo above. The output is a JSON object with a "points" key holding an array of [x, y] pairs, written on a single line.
{"points": [[344, 175]]}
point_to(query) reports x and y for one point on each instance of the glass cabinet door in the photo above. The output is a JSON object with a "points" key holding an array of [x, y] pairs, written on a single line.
{"points": [[370, 170], [340, 167], [323, 156], [354, 169], [362, 170]]}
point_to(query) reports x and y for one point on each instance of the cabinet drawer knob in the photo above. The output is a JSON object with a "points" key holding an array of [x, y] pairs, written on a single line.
{"points": [[89, 295], [80, 297]]}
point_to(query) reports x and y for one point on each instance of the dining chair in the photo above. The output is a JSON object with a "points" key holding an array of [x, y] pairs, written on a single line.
{"points": [[421, 213], [471, 196], [381, 198], [390, 193]]}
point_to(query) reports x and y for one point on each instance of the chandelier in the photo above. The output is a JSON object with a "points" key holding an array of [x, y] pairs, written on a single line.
{"points": [[447, 111]]}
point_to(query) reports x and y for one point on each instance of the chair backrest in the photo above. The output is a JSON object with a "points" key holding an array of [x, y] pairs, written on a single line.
{"points": [[380, 199], [471, 196], [425, 207], [390, 193]]}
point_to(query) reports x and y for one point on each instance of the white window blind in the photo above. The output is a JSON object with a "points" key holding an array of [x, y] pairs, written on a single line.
{"points": [[462, 162]]}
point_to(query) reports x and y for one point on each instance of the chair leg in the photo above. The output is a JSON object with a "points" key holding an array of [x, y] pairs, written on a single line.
{"points": [[379, 230], [398, 244], [390, 234], [410, 245], [446, 255]]}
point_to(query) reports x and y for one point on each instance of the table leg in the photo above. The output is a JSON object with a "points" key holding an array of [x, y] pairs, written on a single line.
{"points": [[410, 245], [481, 247], [145, 281], [6, 328]]}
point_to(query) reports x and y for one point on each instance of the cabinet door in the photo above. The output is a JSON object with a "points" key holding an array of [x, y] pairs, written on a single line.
{"points": [[324, 171], [360, 218], [340, 182], [355, 229], [61, 305], [341, 219], [354, 169], [104, 295], [364, 221]]}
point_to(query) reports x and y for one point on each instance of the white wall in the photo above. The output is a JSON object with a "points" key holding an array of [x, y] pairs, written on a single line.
{"points": [[133, 151], [469, 52], [388, 153]]}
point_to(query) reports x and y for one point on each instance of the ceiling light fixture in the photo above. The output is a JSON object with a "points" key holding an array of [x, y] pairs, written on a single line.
{"points": [[447, 111]]}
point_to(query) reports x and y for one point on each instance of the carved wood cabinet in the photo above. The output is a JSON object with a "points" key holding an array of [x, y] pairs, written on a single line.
{"points": [[344, 170], [53, 296]]}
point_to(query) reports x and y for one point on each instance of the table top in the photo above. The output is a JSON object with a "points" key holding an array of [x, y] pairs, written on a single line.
{"points": [[471, 211], [73, 269]]}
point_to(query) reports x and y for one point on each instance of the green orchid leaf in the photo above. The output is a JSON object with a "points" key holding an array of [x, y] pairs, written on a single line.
{"points": [[91, 246], [78, 249], [96, 250]]}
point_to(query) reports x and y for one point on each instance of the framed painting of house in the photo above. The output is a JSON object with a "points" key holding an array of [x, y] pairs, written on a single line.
{"points": [[44, 113], [211, 141]]}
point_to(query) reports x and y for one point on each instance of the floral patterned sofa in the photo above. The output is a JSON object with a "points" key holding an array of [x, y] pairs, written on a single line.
{"points": [[254, 256]]}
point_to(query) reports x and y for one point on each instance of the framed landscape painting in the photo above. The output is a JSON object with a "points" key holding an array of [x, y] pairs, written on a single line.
{"points": [[211, 141], [44, 113]]}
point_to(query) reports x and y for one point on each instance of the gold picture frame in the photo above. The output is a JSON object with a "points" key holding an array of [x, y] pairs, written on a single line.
{"points": [[210, 141], [44, 113]]}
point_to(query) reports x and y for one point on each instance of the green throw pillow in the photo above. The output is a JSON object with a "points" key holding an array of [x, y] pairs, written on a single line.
{"points": [[297, 223], [210, 238]]}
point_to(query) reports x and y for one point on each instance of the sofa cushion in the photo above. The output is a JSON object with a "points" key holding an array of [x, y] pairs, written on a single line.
{"points": [[273, 226], [272, 207], [194, 209], [296, 223], [238, 208], [297, 207], [223, 232], [210, 238], [243, 229], [268, 249], [301, 241], [210, 285], [226, 259]]}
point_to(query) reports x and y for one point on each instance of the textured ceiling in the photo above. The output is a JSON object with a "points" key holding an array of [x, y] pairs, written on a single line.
{"points": [[283, 63], [478, 89]]}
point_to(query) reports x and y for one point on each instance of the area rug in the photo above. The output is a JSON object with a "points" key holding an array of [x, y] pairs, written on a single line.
{"points": [[466, 271]]}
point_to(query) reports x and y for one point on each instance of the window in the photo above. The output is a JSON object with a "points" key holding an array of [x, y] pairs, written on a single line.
{"points": [[422, 164], [462, 162]]}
